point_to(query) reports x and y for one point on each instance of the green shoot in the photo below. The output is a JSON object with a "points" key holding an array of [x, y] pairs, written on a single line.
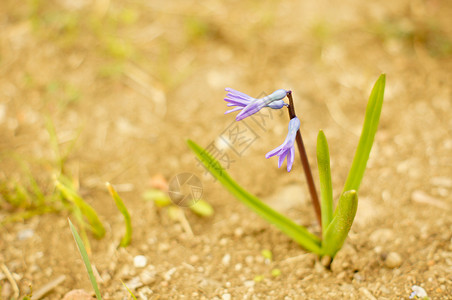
{"points": [[70, 194], [326, 189], [337, 231], [298, 233], [84, 254], [366, 140], [125, 241], [202, 208], [160, 198]]}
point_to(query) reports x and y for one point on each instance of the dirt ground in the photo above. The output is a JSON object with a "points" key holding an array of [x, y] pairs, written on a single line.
{"points": [[130, 81]]}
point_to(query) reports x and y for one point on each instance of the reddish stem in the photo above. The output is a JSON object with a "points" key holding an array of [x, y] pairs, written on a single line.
{"points": [[305, 163]]}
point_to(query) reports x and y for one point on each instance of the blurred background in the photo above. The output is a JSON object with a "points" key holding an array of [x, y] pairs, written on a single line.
{"points": [[110, 90]]}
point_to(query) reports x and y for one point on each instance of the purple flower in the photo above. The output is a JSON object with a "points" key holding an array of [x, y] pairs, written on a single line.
{"points": [[249, 105], [287, 148]]}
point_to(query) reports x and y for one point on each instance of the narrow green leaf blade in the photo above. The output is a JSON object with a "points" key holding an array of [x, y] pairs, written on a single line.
{"points": [[326, 189], [298, 233], [337, 231], [84, 254], [130, 292], [125, 241], [366, 140], [89, 212]]}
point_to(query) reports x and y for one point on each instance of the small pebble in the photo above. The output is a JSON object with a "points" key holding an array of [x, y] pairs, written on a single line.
{"points": [[444, 182], [418, 292], [367, 293], [147, 276], [140, 261], [25, 234], [393, 260], [194, 259], [424, 198], [226, 296], [169, 274], [238, 232], [78, 295], [226, 260], [249, 283], [249, 260], [381, 236]]}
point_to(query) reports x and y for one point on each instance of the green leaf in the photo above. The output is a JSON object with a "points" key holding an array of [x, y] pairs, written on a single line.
{"points": [[366, 140], [326, 189], [202, 208], [160, 198], [84, 254], [298, 233], [125, 241], [337, 231], [70, 194]]}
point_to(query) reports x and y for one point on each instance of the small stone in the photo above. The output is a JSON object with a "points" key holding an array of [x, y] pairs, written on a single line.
{"points": [[385, 290], [169, 274], [140, 261], [25, 234], [78, 295], [134, 283], [418, 292], [163, 247], [249, 283], [422, 197], [367, 293], [226, 296], [238, 267], [381, 236], [148, 276], [393, 260], [358, 277], [249, 260], [194, 259], [238, 232], [444, 182], [226, 260]]}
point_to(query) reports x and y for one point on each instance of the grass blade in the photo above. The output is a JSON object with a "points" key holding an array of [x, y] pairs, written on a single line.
{"points": [[366, 140], [298, 233], [96, 225], [125, 241], [326, 189], [89, 269], [337, 231], [130, 292]]}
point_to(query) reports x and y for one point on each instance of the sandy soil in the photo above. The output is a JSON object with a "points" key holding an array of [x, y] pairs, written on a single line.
{"points": [[132, 80]]}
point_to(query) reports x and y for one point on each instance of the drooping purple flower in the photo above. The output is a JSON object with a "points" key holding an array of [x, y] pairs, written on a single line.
{"points": [[249, 105], [287, 148]]}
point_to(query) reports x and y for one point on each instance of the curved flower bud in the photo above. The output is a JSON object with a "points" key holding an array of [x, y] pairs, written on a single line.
{"points": [[249, 105], [287, 148]]}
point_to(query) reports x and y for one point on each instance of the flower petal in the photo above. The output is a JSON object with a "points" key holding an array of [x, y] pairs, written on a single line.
{"points": [[290, 158], [273, 152], [250, 109], [238, 94], [233, 110], [281, 158]]}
